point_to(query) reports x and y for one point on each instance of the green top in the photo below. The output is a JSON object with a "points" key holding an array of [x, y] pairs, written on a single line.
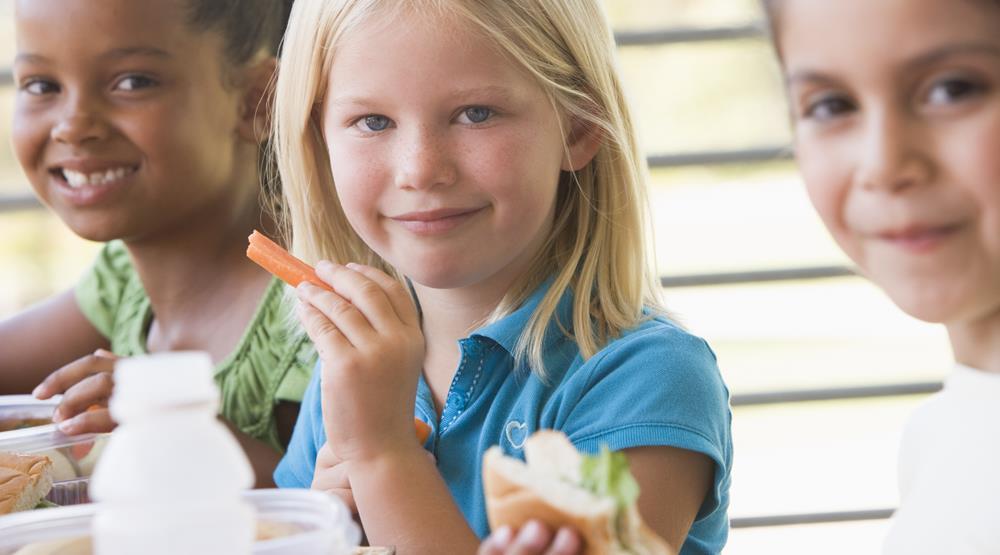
{"points": [[269, 364]]}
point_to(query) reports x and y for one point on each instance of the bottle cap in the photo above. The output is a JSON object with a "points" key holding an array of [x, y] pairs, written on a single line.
{"points": [[153, 382]]}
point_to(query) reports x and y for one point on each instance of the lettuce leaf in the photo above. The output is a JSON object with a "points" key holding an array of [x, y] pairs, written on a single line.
{"points": [[607, 474]]}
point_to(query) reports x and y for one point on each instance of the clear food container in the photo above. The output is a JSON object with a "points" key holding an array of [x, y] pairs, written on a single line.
{"points": [[29, 430], [289, 522]]}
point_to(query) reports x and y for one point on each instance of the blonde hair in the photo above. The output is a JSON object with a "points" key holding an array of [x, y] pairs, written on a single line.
{"points": [[597, 245]]}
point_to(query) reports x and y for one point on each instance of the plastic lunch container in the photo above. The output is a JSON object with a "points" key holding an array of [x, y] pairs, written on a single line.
{"points": [[290, 521], [26, 427]]}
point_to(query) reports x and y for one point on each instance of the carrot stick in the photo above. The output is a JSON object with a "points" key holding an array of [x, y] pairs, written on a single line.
{"points": [[423, 430], [270, 256]]}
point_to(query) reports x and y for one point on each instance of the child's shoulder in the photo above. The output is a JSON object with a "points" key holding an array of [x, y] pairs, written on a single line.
{"points": [[660, 352], [656, 334]]}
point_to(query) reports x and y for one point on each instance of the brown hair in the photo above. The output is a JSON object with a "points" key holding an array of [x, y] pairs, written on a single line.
{"points": [[247, 26]]}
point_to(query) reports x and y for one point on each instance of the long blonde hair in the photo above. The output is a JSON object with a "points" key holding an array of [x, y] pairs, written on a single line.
{"points": [[597, 245]]}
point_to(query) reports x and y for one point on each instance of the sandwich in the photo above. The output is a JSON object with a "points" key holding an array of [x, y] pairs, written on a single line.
{"points": [[558, 486], [25, 480]]}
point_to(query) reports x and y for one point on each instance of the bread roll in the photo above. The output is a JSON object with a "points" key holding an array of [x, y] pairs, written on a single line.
{"points": [[24, 481], [547, 489]]}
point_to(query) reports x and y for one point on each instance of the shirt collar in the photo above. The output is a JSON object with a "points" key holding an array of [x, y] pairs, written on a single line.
{"points": [[507, 330]]}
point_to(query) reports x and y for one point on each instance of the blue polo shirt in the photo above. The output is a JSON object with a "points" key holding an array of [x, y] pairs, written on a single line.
{"points": [[657, 385]]}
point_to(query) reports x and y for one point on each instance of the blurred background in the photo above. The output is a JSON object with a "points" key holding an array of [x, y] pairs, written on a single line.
{"points": [[822, 367]]}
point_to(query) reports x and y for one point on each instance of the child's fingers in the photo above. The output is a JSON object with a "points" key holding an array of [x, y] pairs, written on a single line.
{"points": [[324, 335], [567, 542], [329, 314], [395, 291], [97, 421], [532, 539], [366, 294], [94, 390], [497, 543], [71, 374]]}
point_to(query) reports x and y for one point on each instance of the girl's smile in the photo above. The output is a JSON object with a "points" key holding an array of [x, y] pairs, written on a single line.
{"points": [[435, 222], [84, 182]]}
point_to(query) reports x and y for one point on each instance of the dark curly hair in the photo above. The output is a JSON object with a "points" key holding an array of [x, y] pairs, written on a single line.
{"points": [[247, 26]]}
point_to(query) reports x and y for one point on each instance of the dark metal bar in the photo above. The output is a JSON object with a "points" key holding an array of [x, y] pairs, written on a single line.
{"points": [[20, 202], [834, 393], [688, 35], [782, 274], [719, 157], [811, 518]]}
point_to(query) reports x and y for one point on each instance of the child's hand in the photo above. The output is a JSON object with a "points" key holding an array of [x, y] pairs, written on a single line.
{"points": [[86, 385], [331, 476], [368, 336], [534, 538]]}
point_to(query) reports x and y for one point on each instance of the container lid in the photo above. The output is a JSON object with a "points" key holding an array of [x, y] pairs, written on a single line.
{"points": [[34, 438], [322, 522], [150, 383]]}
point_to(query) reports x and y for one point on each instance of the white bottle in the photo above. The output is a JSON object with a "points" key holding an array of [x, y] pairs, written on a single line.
{"points": [[169, 481]]}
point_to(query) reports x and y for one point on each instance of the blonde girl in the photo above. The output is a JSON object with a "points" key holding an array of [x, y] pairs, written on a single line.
{"points": [[467, 174]]}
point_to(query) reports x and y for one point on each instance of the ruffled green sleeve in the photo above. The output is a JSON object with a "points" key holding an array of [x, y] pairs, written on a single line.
{"points": [[273, 363]]}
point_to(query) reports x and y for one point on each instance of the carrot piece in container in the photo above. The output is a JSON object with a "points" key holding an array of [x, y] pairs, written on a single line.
{"points": [[270, 256]]}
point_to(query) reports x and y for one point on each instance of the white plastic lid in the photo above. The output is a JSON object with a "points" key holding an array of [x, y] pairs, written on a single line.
{"points": [[148, 383]]}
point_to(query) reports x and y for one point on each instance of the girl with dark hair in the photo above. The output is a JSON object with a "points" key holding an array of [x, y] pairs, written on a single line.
{"points": [[141, 124], [896, 111]]}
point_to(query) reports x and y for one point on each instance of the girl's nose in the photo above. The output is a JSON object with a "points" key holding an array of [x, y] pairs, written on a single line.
{"points": [[424, 161], [893, 156], [79, 123]]}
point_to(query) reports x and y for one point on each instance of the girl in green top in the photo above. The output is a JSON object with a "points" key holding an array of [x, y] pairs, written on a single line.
{"points": [[137, 123]]}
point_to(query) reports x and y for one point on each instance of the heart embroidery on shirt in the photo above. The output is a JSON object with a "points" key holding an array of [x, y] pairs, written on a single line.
{"points": [[516, 433]]}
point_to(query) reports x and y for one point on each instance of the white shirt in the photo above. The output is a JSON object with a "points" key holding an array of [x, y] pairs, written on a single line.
{"points": [[949, 471]]}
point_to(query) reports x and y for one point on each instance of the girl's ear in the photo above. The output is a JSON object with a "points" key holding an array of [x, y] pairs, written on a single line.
{"points": [[582, 145], [255, 110]]}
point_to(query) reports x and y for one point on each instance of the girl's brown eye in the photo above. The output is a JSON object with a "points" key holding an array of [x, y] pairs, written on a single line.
{"points": [[949, 91], [135, 82], [827, 108], [39, 87]]}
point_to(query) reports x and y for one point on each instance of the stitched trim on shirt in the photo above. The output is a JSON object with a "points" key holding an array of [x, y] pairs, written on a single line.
{"points": [[479, 371]]}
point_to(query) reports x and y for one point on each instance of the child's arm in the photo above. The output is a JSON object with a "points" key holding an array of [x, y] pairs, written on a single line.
{"points": [[667, 473], [370, 342], [42, 339], [403, 501]]}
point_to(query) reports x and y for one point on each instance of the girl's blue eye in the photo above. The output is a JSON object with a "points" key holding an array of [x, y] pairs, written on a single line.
{"points": [[477, 114], [376, 123], [39, 87], [948, 91], [827, 108]]}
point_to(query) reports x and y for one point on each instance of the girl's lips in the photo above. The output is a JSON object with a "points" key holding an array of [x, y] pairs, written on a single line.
{"points": [[87, 189], [436, 221], [919, 240]]}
